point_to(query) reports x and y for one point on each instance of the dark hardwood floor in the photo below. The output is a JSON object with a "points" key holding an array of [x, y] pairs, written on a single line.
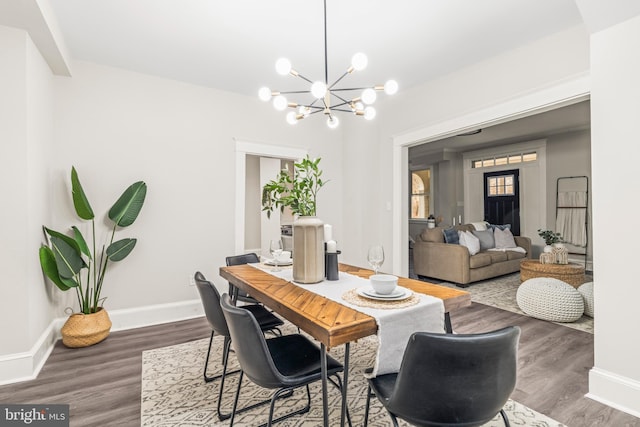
{"points": [[102, 383]]}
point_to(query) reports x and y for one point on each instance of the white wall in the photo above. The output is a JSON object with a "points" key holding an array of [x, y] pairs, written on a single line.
{"points": [[26, 135], [615, 71], [117, 127], [517, 73]]}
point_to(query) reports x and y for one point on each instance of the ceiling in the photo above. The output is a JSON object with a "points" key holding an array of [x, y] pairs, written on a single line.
{"points": [[233, 44], [570, 118]]}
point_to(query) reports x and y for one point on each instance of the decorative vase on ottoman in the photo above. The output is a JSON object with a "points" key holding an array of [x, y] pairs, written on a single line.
{"points": [[308, 250], [83, 330]]}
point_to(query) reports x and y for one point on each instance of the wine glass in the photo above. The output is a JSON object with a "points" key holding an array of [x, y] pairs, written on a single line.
{"points": [[275, 247], [375, 256]]}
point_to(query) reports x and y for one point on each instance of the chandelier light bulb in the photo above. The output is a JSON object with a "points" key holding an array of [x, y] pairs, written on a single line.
{"points": [[369, 113], [359, 61], [291, 118], [391, 87], [264, 94], [283, 66], [280, 103], [369, 96], [304, 111], [332, 122], [318, 90]]}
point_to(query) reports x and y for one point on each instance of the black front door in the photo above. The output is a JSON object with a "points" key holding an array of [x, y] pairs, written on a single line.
{"points": [[502, 199]]}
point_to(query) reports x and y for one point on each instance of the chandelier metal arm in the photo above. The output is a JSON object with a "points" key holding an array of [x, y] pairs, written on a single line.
{"points": [[322, 92]]}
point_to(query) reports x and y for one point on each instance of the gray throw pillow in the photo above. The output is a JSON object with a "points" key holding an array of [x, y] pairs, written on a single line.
{"points": [[451, 236], [504, 239], [486, 239]]}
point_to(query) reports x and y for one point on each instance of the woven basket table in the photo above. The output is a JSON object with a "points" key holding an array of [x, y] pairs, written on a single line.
{"points": [[571, 273]]}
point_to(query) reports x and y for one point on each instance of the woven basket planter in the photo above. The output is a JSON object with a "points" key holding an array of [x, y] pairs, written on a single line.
{"points": [[83, 330]]}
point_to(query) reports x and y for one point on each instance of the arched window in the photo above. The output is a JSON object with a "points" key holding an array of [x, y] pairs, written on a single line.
{"points": [[420, 191]]}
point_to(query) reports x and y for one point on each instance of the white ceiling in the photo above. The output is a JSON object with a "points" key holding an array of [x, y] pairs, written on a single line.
{"points": [[233, 44], [575, 117]]}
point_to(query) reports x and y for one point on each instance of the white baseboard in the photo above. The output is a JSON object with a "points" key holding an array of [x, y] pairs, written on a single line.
{"points": [[25, 366], [614, 390]]}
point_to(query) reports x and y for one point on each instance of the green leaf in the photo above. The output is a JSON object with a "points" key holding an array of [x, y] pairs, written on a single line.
{"points": [[119, 250], [68, 240], [80, 201], [82, 244], [68, 259], [126, 209], [50, 269]]}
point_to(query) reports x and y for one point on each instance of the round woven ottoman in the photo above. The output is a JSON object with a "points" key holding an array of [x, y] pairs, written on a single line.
{"points": [[550, 299], [586, 290]]}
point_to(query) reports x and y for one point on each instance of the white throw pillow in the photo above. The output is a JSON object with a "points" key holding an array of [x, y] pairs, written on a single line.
{"points": [[504, 239], [480, 226], [471, 242]]}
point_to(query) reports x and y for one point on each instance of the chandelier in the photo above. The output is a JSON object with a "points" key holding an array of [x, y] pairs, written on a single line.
{"points": [[324, 97]]}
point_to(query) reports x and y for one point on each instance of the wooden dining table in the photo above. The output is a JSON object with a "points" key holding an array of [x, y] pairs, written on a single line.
{"points": [[329, 322]]}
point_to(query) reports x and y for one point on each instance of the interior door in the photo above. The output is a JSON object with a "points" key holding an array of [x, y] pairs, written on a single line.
{"points": [[502, 198]]}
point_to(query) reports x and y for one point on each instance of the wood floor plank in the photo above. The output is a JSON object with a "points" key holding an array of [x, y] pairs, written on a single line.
{"points": [[102, 383]]}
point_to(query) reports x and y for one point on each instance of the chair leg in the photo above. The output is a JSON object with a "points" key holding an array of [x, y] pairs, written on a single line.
{"points": [[225, 355], [366, 407], [222, 416], [281, 393], [504, 417]]}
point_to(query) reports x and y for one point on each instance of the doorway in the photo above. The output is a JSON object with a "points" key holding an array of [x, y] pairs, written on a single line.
{"points": [[502, 198]]}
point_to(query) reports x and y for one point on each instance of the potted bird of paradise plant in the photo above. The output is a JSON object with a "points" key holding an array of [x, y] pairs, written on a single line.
{"points": [[72, 263]]}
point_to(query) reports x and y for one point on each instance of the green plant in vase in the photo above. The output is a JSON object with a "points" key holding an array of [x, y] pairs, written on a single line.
{"points": [[550, 237], [70, 263], [297, 192]]}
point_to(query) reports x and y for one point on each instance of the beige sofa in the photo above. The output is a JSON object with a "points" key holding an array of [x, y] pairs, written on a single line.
{"points": [[433, 258]]}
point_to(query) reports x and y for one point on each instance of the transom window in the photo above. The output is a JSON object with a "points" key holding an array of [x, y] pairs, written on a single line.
{"points": [[504, 160]]}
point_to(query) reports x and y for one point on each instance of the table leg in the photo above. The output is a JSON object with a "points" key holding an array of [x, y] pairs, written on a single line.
{"points": [[345, 383], [323, 374], [447, 323]]}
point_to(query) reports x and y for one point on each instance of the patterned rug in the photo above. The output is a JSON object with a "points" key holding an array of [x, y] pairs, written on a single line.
{"points": [[175, 394], [500, 292]]}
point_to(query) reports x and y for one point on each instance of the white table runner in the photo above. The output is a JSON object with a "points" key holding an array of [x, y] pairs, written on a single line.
{"points": [[395, 326]]}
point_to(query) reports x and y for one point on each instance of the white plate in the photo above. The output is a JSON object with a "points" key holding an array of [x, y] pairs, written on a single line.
{"points": [[398, 294], [280, 263]]}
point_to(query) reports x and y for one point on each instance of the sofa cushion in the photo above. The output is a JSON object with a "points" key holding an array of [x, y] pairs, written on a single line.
{"points": [[480, 260], [432, 235], [503, 238], [471, 242], [451, 236], [486, 239], [498, 256], [515, 255]]}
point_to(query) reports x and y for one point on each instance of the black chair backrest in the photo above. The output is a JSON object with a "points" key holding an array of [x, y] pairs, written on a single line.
{"points": [[211, 303], [242, 259], [445, 377], [250, 346]]}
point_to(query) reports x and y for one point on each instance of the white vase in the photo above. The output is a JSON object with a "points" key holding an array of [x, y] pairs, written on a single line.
{"points": [[308, 250], [548, 249]]}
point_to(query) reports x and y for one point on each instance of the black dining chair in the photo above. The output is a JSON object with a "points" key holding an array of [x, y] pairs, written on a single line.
{"points": [[239, 260], [267, 322], [284, 362], [450, 379]]}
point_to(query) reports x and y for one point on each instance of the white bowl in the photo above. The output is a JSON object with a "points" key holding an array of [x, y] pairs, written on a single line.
{"points": [[284, 256], [383, 284]]}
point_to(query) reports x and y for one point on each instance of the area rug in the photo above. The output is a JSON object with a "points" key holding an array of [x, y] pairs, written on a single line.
{"points": [[175, 394], [500, 292]]}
